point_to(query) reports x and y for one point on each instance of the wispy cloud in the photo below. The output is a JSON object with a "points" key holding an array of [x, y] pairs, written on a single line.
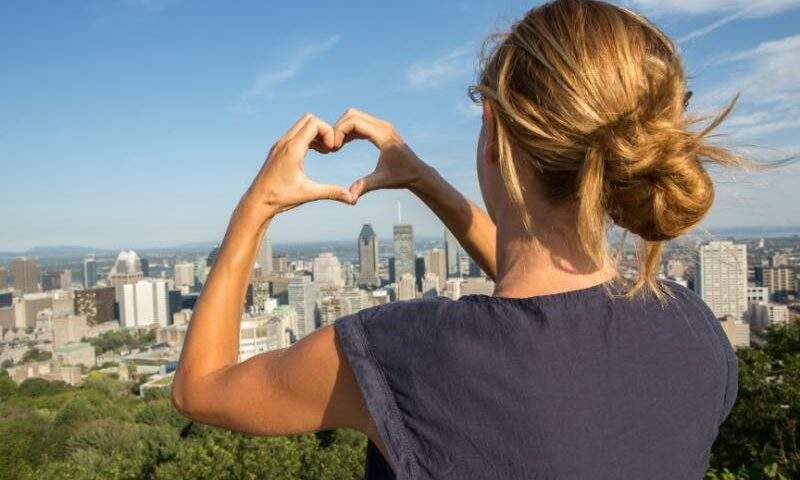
{"points": [[438, 71], [469, 110], [268, 81], [768, 77], [761, 8]]}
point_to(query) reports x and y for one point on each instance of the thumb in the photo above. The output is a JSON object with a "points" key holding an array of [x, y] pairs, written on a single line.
{"points": [[332, 192], [368, 183]]}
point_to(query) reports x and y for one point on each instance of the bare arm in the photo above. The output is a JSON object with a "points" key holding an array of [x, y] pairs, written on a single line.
{"points": [[304, 388], [399, 167]]}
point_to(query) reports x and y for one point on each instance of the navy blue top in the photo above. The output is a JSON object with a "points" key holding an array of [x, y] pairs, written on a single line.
{"points": [[575, 385]]}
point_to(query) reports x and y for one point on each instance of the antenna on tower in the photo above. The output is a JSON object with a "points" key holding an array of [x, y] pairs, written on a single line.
{"points": [[399, 213]]}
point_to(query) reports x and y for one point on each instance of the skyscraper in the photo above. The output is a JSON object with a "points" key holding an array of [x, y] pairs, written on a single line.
{"points": [[26, 274], [89, 272], [436, 263], [144, 303], [303, 298], [264, 258], [404, 255], [184, 275], [721, 278], [96, 304], [406, 287], [368, 258], [327, 272], [451, 248], [127, 269], [3, 278]]}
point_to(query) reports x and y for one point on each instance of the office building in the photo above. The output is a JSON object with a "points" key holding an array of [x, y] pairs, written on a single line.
{"points": [[3, 278], [452, 254], [96, 304], [144, 264], [779, 280], [127, 269], [406, 287], [721, 278], [26, 274], [357, 298], [184, 275], [327, 272], [477, 286], [763, 314], [430, 285], [436, 263], [737, 330], [332, 308], [89, 272], [144, 304], [264, 257], [404, 254], [368, 258], [302, 295]]}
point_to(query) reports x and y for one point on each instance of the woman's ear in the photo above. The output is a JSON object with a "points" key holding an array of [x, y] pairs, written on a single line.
{"points": [[490, 133]]}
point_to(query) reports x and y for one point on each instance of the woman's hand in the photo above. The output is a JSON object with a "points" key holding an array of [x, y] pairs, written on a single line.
{"points": [[398, 166], [282, 184]]}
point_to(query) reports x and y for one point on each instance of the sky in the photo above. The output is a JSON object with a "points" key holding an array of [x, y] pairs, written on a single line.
{"points": [[140, 123]]}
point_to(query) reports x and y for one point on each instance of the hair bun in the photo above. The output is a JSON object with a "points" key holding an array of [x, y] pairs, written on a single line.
{"points": [[655, 183]]}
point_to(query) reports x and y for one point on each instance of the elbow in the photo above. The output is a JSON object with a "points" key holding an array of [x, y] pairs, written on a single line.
{"points": [[186, 399]]}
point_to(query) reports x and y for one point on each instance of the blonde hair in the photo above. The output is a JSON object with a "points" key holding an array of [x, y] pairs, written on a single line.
{"points": [[591, 98]]}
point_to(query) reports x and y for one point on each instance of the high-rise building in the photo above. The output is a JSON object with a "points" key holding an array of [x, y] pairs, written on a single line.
{"points": [[96, 304], [68, 329], [737, 330], [303, 298], [126, 270], [327, 272], [404, 254], [212, 257], [145, 303], [26, 274], [3, 278], [200, 270], [430, 285], [368, 258], [50, 281], [436, 263], [332, 308], [406, 287], [264, 257], [453, 254], [779, 280], [721, 278], [144, 264], [280, 264], [357, 298], [477, 286], [89, 272], [184, 275]]}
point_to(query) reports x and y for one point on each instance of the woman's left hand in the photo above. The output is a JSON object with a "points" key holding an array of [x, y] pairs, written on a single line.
{"points": [[282, 183]]}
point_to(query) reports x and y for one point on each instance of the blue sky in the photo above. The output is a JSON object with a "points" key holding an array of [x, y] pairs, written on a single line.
{"points": [[139, 123]]}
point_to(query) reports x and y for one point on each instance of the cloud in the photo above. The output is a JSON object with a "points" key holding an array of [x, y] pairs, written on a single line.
{"points": [[432, 73], [469, 110], [752, 9], [266, 82], [768, 78]]}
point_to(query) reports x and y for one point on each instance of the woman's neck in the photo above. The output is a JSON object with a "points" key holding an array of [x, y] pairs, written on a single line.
{"points": [[544, 263]]}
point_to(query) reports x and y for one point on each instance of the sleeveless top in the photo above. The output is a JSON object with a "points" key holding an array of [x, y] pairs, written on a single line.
{"points": [[580, 384]]}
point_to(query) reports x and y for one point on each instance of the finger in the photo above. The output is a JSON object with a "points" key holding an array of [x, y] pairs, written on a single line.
{"points": [[314, 129], [320, 191], [355, 126], [374, 181], [297, 126]]}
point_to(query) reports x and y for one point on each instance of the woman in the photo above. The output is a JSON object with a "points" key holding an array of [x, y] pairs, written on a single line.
{"points": [[567, 371]]}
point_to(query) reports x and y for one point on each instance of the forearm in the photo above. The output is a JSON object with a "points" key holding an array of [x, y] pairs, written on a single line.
{"points": [[212, 341], [470, 224]]}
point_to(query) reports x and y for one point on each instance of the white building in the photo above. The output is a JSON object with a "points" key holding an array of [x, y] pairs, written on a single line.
{"points": [[757, 294], [737, 330], [69, 328], [184, 275], [452, 288], [721, 278], [327, 272], [265, 333], [144, 303], [302, 295], [406, 287]]}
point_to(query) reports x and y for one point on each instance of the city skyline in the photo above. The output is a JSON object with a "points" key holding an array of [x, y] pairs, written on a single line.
{"points": [[124, 137]]}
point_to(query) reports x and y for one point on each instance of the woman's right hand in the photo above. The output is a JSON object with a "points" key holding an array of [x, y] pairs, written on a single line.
{"points": [[398, 166]]}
